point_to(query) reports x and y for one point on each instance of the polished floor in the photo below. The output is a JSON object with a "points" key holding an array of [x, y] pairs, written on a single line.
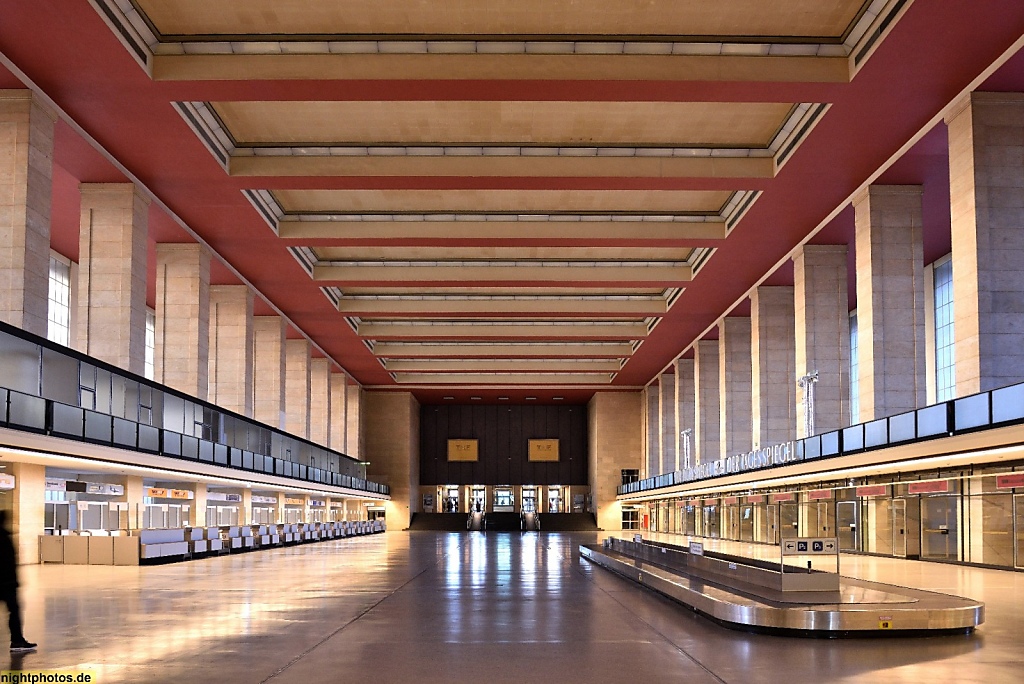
{"points": [[428, 607]]}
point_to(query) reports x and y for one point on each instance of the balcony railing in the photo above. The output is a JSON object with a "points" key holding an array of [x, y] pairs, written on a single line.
{"points": [[983, 411], [49, 389]]}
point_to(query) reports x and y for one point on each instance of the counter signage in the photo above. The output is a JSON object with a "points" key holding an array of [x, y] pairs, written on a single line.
{"points": [[710, 502], [156, 493], [181, 494], [693, 502], [873, 490], [729, 500], [755, 498], [221, 496], [104, 488], [928, 487], [697, 548], [819, 494], [1010, 481], [55, 485], [780, 497], [317, 502], [259, 499], [6, 481], [292, 501]]}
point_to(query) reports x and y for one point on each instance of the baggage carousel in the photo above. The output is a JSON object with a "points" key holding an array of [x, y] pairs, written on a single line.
{"points": [[785, 599]]}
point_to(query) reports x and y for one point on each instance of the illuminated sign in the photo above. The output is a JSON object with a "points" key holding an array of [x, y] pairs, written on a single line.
{"points": [[462, 450]]}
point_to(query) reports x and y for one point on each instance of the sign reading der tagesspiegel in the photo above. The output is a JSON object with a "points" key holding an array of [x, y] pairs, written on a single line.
{"points": [[463, 450], [543, 450]]}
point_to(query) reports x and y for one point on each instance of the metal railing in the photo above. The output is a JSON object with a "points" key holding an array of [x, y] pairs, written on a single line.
{"points": [[49, 389], [983, 411]]}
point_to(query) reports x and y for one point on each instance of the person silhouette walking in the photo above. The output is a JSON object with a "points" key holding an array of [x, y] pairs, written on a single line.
{"points": [[9, 587]]}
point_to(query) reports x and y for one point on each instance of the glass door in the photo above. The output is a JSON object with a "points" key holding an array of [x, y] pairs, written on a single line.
{"points": [[529, 499], [789, 520], [899, 528], [1018, 530], [747, 522], [772, 523], [712, 522], [846, 525], [939, 535]]}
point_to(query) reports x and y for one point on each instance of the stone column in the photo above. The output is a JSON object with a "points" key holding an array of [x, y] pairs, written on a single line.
{"points": [[320, 401], [182, 358], [615, 427], [685, 406], [890, 301], [112, 274], [734, 383], [245, 515], [393, 437], [653, 432], [134, 494], [199, 504], [27, 509], [986, 182], [297, 378], [354, 422], [707, 405], [269, 370], [773, 359], [26, 173], [339, 409], [231, 348], [669, 429], [822, 312]]}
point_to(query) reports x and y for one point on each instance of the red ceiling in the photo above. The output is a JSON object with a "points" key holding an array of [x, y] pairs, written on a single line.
{"points": [[933, 52]]}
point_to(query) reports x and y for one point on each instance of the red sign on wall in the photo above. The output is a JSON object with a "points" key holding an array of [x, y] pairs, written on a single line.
{"points": [[783, 496], [928, 487], [729, 500], [710, 502], [873, 490], [818, 494], [755, 498], [1010, 481]]}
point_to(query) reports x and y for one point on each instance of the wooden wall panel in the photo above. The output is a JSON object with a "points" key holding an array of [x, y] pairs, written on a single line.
{"points": [[503, 433]]}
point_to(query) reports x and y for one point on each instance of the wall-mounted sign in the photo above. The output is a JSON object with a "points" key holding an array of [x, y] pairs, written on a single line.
{"points": [[294, 501], [819, 494], [156, 493], [779, 497], [221, 496], [55, 485], [317, 503], [693, 502], [185, 494], [463, 450], [164, 493], [935, 487], [6, 481], [543, 450], [755, 498], [1010, 481], [104, 488], [873, 490], [259, 499], [730, 500], [710, 502]]}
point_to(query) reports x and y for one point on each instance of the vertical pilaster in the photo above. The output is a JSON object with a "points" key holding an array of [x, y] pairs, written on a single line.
{"points": [[320, 401], [26, 173], [986, 182], [707, 431], [27, 521], [231, 348], [354, 421], [269, 376], [615, 438], [822, 314], [339, 410], [297, 379], [182, 358], [112, 274], [773, 365], [685, 407], [735, 380], [653, 431], [890, 300], [669, 431]]}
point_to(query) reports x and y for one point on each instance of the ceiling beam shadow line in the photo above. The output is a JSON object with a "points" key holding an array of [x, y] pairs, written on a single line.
{"points": [[505, 378], [667, 276], [470, 350]]}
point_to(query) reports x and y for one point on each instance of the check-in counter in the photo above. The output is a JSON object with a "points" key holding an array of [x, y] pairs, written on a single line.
{"points": [[101, 550], [162, 543], [51, 549], [213, 540], [197, 542], [248, 541], [126, 550], [234, 538], [76, 550]]}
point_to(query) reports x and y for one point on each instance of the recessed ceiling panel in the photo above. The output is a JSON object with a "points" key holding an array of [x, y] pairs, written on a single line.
{"points": [[756, 18], [503, 201], [502, 253], [690, 124]]}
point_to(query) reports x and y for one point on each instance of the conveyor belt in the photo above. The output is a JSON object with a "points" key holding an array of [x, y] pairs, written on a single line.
{"points": [[864, 608]]}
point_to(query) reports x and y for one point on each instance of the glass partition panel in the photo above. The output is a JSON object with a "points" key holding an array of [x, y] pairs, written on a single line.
{"points": [[932, 421], [19, 364], [60, 377], [1008, 403], [971, 412], [902, 427]]}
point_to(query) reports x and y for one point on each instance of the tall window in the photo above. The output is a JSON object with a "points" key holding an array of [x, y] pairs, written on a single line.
{"points": [[945, 360], [58, 328], [150, 343], [854, 380]]}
